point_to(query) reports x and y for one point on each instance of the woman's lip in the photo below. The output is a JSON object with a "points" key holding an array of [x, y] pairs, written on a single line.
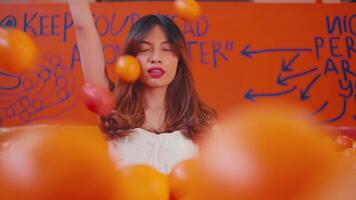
{"points": [[155, 72], [155, 68]]}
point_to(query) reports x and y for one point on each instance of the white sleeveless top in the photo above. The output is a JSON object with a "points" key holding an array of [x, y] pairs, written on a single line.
{"points": [[160, 151]]}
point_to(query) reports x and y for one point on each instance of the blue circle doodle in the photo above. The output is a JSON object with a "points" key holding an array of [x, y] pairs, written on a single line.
{"points": [[27, 84], [60, 71], [25, 116], [61, 83], [44, 74], [10, 111], [63, 94], [24, 102], [55, 60], [37, 105]]}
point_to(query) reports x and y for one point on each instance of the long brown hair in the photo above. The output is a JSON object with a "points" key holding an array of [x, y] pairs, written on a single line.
{"points": [[185, 111]]}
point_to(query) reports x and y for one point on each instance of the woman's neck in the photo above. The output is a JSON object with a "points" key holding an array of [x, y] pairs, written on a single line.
{"points": [[154, 98], [154, 107]]}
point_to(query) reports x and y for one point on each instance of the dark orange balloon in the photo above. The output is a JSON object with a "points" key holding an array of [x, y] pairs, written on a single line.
{"points": [[98, 99], [267, 152], [343, 142], [128, 68], [143, 182], [58, 163], [187, 9], [18, 52], [183, 179]]}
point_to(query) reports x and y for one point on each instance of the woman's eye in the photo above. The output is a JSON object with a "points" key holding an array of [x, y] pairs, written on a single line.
{"points": [[143, 50], [167, 49]]}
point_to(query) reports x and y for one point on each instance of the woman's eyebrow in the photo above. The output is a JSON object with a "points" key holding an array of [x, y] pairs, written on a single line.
{"points": [[145, 42]]}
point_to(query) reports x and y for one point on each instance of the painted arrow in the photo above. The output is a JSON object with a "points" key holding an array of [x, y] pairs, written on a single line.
{"points": [[285, 66], [250, 95], [304, 93], [249, 53], [281, 81]]}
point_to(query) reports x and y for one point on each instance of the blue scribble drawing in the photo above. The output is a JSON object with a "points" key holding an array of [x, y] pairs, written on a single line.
{"points": [[346, 86], [31, 97], [12, 81]]}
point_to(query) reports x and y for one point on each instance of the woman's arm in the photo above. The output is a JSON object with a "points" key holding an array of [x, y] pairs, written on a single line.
{"points": [[90, 48]]}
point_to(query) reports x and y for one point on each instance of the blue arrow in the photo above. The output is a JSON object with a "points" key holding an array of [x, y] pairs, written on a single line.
{"points": [[285, 67], [249, 95], [322, 107], [281, 81], [303, 93], [248, 53], [339, 116]]}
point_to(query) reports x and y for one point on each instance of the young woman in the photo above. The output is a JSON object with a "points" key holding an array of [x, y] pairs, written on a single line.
{"points": [[157, 118]]}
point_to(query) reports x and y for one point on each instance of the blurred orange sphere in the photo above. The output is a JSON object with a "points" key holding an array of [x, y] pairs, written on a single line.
{"points": [[143, 182], [18, 52], [343, 142], [128, 68], [266, 152], [187, 9], [183, 179], [57, 163], [98, 99]]}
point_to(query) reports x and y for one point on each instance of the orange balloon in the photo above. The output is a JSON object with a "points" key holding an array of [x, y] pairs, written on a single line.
{"points": [[187, 9], [98, 99], [18, 52], [183, 179], [128, 68], [266, 152], [143, 182], [58, 163], [343, 142]]}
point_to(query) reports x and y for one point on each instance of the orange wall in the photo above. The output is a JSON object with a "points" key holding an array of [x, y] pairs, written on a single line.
{"points": [[318, 57]]}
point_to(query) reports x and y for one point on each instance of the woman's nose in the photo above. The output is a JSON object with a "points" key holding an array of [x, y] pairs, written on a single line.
{"points": [[155, 58]]}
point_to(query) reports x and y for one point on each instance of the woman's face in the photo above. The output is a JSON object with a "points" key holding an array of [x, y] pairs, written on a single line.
{"points": [[158, 60]]}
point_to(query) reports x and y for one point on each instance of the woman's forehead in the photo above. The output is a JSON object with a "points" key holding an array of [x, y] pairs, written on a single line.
{"points": [[155, 34]]}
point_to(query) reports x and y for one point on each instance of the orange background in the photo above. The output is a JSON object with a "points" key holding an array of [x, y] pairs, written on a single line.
{"points": [[274, 32]]}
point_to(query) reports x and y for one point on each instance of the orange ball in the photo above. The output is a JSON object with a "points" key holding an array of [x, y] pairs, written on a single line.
{"points": [[18, 52], [58, 163], [143, 182], [343, 142], [98, 99], [183, 179], [266, 152], [187, 9], [128, 68]]}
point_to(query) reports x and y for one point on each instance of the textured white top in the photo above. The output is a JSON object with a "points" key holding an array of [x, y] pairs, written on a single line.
{"points": [[160, 151]]}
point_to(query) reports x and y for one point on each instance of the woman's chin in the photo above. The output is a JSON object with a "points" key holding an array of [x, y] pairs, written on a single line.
{"points": [[155, 84]]}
